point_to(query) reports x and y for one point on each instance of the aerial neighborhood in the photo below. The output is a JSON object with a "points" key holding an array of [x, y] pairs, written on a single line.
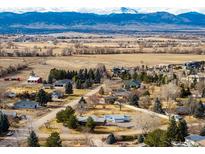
{"points": [[119, 106]]}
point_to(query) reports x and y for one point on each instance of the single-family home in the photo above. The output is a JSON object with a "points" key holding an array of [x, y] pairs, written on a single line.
{"points": [[10, 113], [34, 79], [26, 104], [121, 93], [98, 120], [61, 83], [57, 95], [131, 84], [117, 118]]}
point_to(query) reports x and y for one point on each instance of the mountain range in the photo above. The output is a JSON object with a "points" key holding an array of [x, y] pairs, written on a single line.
{"points": [[127, 20]]}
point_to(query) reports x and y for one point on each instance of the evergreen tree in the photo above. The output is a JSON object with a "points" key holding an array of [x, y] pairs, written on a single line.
{"points": [[101, 91], [193, 85], [135, 76], [134, 100], [69, 88], [203, 93], [82, 101], [111, 139], [182, 131], [42, 97], [33, 140], [185, 92], [158, 107], [54, 140], [172, 129], [4, 123], [202, 132], [78, 84], [157, 138], [87, 84], [97, 76], [72, 122], [91, 74], [90, 124], [199, 110], [140, 139], [64, 115]]}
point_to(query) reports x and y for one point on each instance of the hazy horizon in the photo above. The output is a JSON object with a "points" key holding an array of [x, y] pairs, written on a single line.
{"points": [[102, 6]]}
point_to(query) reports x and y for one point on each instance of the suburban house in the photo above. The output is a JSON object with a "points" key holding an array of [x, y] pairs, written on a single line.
{"points": [[99, 121], [131, 84], [107, 118], [117, 71], [26, 104], [61, 83], [57, 95], [194, 140], [9, 113], [117, 118], [121, 93], [34, 79], [193, 64]]}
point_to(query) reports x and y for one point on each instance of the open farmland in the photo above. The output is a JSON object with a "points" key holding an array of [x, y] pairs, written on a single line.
{"points": [[42, 66]]}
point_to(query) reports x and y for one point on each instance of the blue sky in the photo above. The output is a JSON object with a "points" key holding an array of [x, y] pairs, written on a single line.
{"points": [[73, 5]]}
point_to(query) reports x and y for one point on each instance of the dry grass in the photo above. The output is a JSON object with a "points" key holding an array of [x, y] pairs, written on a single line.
{"points": [[102, 110]]}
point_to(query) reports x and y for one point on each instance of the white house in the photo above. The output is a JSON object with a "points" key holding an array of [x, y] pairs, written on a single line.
{"points": [[57, 95], [34, 79]]}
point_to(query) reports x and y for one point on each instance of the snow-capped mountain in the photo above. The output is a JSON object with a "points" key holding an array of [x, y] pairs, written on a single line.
{"points": [[35, 20], [115, 10]]}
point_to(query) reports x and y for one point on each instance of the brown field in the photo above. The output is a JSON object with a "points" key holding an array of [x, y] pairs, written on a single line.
{"points": [[42, 66]]}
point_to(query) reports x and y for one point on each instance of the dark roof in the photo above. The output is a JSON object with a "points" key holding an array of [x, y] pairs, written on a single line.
{"points": [[62, 82], [132, 82], [25, 102]]}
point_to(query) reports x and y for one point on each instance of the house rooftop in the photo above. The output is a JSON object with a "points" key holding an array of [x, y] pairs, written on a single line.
{"points": [[62, 82], [25, 102], [196, 138], [33, 78]]}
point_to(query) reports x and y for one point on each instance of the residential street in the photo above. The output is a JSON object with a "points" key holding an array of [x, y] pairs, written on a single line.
{"points": [[23, 132]]}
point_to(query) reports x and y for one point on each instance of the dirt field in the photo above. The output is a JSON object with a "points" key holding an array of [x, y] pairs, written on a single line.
{"points": [[42, 66]]}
